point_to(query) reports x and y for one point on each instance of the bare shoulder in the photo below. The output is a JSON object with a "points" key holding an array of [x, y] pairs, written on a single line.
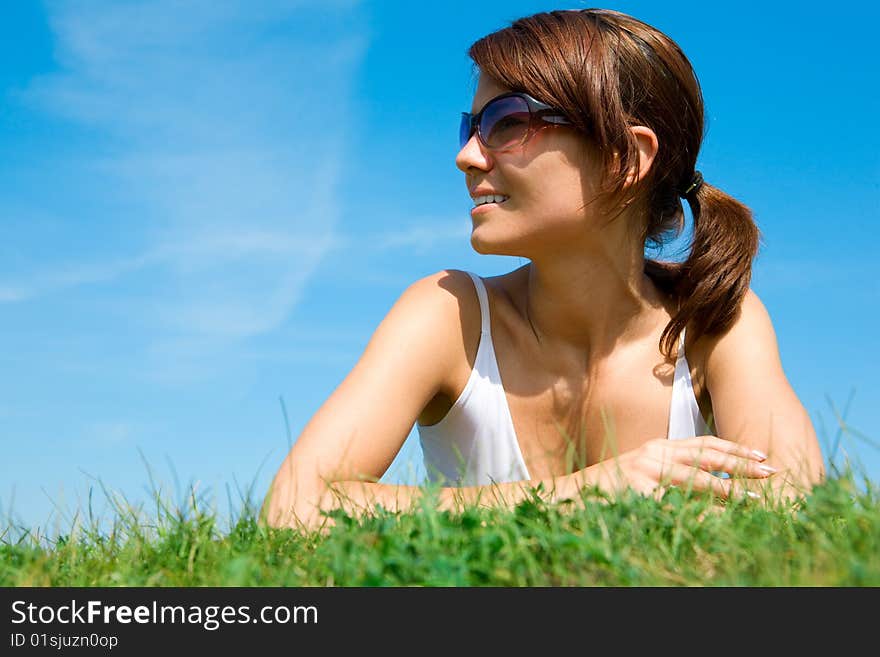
{"points": [[710, 356], [452, 298], [751, 337], [450, 290]]}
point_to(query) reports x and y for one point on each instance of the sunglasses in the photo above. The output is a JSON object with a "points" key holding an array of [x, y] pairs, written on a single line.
{"points": [[508, 121]]}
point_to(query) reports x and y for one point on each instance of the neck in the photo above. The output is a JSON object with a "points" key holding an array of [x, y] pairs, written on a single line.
{"points": [[591, 303]]}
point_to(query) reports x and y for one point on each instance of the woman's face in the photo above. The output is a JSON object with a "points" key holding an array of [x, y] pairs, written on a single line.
{"points": [[546, 179]]}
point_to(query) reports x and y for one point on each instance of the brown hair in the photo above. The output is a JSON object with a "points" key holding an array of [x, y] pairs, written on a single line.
{"points": [[607, 71]]}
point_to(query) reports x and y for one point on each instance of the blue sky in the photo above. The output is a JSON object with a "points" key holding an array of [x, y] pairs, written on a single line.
{"points": [[209, 206]]}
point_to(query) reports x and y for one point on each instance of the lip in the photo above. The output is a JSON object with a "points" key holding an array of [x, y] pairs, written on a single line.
{"points": [[485, 191]]}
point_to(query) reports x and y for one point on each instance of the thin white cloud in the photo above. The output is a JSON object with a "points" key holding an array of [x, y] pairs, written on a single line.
{"points": [[425, 236], [421, 236], [64, 277], [223, 136], [203, 249]]}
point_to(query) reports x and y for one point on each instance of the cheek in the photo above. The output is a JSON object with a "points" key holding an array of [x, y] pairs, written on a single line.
{"points": [[567, 166], [552, 180], [557, 224], [560, 197]]}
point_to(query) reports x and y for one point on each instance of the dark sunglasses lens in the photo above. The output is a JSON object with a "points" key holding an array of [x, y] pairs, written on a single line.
{"points": [[505, 122], [464, 130]]}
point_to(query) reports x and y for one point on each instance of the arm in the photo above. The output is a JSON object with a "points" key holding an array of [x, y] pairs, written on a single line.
{"points": [[353, 438], [647, 469], [754, 404], [358, 498]]}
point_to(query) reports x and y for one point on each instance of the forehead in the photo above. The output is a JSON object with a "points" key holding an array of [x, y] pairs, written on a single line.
{"points": [[487, 89]]}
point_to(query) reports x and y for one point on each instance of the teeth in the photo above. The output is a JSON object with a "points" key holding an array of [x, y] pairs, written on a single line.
{"points": [[492, 198]]}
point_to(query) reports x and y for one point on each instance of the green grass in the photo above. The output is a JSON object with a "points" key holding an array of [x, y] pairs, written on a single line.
{"points": [[831, 539]]}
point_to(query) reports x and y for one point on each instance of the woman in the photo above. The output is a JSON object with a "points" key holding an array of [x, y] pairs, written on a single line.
{"points": [[590, 365]]}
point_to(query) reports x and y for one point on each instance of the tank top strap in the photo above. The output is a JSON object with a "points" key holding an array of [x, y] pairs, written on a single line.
{"points": [[483, 296], [681, 342]]}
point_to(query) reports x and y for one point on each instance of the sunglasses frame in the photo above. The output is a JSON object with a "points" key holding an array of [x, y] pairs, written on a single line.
{"points": [[538, 112]]}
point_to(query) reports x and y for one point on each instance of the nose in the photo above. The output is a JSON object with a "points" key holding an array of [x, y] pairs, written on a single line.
{"points": [[473, 154]]}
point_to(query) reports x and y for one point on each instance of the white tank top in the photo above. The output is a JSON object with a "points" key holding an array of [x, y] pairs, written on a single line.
{"points": [[475, 443]]}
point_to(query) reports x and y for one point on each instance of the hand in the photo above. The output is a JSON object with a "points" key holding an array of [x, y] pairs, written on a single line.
{"points": [[688, 463]]}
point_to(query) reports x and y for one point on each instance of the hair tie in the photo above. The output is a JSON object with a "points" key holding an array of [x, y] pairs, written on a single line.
{"points": [[696, 183]]}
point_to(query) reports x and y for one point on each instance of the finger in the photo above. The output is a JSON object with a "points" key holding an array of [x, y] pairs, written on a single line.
{"points": [[712, 460], [723, 445]]}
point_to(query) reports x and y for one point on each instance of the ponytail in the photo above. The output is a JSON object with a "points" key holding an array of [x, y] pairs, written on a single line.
{"points": [[711, 284]]}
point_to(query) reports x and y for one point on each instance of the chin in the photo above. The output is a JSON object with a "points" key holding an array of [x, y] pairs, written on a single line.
{"points": [[488, 247], [479, 247]]}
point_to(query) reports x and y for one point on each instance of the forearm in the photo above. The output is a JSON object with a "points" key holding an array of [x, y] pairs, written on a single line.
{"points": [[358, 498], [800, 467], [355, 495]]}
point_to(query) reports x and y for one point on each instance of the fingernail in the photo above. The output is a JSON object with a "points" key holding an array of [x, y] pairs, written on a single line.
{"points": [[752, 494], [759, 454], [767, 468]]}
